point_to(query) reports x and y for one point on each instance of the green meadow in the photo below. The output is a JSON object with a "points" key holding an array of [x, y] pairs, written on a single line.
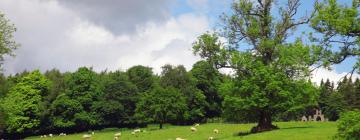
{"points": [[288, 130]]}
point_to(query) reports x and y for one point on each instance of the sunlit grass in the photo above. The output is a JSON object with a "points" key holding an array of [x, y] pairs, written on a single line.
{"points": [[288, 130]]}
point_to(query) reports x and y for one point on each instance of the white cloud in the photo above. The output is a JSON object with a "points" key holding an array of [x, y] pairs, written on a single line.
{"points": [[53, 36], [332, 75]]}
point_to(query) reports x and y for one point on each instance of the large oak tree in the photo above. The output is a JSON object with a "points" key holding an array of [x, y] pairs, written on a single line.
{"points": [[271, 72]]}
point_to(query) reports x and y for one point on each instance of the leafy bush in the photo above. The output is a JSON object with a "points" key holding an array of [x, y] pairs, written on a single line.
{"points": [[349, 126]]}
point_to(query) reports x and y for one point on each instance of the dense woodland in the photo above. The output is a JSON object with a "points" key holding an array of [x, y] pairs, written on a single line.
{"points": [[55, 102], [271, 80]]}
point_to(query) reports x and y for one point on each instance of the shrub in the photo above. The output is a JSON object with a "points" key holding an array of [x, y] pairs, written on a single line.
{"points": [[349, 126]]}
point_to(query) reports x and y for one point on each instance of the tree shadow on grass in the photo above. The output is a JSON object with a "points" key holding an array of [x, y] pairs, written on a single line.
{"points": [[246, 133]]}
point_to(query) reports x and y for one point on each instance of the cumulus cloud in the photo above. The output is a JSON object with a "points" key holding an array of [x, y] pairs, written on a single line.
{"points": [[332, 75], [54, 35], [120, 16]]}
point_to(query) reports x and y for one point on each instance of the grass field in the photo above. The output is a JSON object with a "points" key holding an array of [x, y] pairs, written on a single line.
{"points": [[287, 131]]}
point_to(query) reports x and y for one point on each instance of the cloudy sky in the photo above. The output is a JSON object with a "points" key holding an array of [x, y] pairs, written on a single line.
{"points": [[113, 34]]}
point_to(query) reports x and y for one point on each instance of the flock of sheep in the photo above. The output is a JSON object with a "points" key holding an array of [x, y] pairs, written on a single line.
{"points": [[194, 129], [134, 132]]}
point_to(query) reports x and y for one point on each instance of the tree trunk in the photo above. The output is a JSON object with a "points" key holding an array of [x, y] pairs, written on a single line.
{"points": [[264, 123], [161, 125]]}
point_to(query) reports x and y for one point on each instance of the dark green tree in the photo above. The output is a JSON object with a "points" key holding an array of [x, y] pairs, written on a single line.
{"points": [[356, 96], [161, 105], [271, 72], [82, 92], [179, 78], [208, 80], [142, 77], [331, 102], [347, 89], [118, 103]]}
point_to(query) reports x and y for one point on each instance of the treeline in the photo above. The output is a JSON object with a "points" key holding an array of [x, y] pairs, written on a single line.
{"points": [[55, 102], [335, 100]]}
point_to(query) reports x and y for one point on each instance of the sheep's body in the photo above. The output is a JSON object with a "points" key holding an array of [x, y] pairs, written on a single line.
{"points": [[179, 139], [116, 138], [117, 134], [216, 131], [196, 125], [50, 135], [62, 134], [193, 129], [133, 133], [211, 138], [86, 137], [137, 130], [93, 133]]}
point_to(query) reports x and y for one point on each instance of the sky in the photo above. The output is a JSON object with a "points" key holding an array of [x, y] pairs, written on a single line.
{"points": [[116, 34]]}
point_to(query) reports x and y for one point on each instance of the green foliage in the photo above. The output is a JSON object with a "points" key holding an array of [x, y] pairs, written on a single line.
{"points": [[117, 105], [349, 126], [142, 77], [2, 121], [208, 80], [22, 103], [82, 93], [178, 78], [337, 30], [7, 42], [161, 105], [271, 74], [63, 111]]}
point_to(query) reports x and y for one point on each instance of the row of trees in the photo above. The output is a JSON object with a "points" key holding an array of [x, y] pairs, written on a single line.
{"points": [[335, 100], [32, 102]]}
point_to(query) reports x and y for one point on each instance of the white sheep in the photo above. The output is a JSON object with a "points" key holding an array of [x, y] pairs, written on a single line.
{"points": [[137, 130], [179, 139], [133, 133], [41, 136], [117, 134], [50, 135], [196, 125], [116, 138], [86, 137], [193, 129], [92, 133], [211, 138], [216, 131], [45, 136]]}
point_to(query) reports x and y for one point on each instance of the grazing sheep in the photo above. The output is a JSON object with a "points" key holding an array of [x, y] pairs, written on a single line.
{"points": [[133, 133], [50, 135], [41, 136], [45, 136], [211, 138], [92, 133], [193, 129], [137, 130], [116, 138], [216, 131], [117, 134], [179, 139], [196, 125], [86, 137]]}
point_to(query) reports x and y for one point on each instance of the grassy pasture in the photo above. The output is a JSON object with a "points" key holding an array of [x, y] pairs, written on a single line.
{"points": [[287, 131]]}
